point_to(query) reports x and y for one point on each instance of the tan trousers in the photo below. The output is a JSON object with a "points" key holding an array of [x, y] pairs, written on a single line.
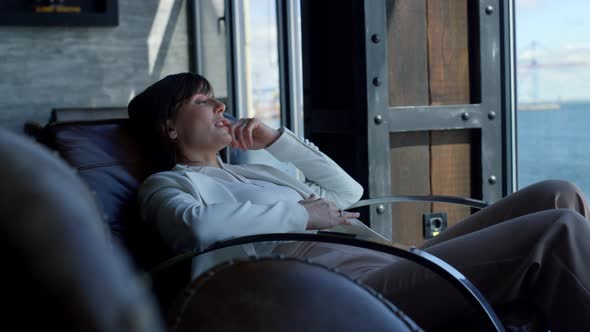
{"points": [[531, 248]]}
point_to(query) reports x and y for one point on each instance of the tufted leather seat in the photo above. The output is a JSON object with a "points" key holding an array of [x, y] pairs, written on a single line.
{"points": [[107, 158]]}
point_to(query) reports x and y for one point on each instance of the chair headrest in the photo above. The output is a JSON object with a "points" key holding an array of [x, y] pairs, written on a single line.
{"points": [[108, 159]]}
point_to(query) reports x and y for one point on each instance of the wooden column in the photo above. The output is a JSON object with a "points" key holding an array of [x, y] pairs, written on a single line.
{"points": [[408, 86], [448, 52], [448, 59], [407, 53], [428, 56]]}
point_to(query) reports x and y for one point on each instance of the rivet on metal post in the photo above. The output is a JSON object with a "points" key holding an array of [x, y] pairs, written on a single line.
{"points": [[380, 209], [491, 115], [492, 179], [465, 116], [376, 81], [378, 119], [375, 38], [489, 10]]}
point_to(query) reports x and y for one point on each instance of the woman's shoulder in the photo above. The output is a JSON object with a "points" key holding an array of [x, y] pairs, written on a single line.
{"points": [[249, 167], [176, 177], [257, 171], [166, 175]]}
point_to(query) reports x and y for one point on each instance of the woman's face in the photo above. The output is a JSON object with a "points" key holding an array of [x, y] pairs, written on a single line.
{"points": [[199, 125]]}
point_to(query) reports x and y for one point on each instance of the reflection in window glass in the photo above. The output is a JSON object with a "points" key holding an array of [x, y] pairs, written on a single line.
{"points": [[258, 75], [553, 73], [213, 50], [262, 61]]}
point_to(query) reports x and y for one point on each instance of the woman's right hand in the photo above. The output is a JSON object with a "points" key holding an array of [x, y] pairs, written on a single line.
{"points": [[325, 214]]}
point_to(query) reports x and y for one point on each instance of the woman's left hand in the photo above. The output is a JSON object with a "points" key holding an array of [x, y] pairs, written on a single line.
{"points": [[252, 134]]}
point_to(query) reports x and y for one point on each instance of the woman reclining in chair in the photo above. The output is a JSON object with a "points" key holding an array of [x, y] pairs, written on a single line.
{"points": [[532, 248]]}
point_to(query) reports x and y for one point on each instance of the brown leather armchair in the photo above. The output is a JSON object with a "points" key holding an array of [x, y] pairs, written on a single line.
{"points": [[107, 159], [65, 269]]}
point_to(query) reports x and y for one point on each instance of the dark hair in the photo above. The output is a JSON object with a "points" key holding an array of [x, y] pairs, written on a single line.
{"points": [[149, 111]]}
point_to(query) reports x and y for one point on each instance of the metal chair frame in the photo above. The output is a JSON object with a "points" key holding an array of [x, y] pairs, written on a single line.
{"points": [[421, 257]]}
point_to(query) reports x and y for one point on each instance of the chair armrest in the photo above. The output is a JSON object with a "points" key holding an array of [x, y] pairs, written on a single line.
{"points": [[431, 262], [417, 198]]}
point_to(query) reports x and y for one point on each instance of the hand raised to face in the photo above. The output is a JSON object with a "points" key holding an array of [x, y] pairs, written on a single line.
{"points": [[325, 214], [252, 134]]}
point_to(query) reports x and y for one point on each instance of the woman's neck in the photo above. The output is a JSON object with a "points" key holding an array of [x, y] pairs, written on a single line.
{"points": [[198, 159]]}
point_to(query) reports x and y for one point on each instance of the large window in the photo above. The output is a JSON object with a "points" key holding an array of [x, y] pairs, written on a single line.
{"points": [[256, 65], [211, 45], [262, 61], [250, 51], [256, 59], [553, 73]]}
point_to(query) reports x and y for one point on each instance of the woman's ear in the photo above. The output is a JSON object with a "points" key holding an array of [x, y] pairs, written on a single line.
{"points": [[170, 130]]}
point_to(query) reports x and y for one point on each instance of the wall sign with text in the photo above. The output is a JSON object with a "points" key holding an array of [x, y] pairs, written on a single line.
{"points": [[59, 12]]}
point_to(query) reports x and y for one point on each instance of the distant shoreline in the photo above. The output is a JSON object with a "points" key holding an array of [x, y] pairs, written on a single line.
{"points": [[539, 107], [549, 105]]}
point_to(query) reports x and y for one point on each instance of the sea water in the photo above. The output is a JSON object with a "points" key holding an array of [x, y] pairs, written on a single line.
{"points": [[554, 143]]}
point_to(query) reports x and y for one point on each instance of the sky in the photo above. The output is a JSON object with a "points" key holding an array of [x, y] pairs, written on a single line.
{"points": [[555, 35], [552, 43]]}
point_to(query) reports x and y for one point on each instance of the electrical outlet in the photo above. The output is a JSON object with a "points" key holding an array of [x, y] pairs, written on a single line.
{"points": [[434, 223]]}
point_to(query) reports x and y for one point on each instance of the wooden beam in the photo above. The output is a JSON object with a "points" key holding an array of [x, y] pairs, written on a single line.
{"points": [[410, 170], [451, 170], [448, 55], [407, 53], [408, 86], [448, 52]]}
